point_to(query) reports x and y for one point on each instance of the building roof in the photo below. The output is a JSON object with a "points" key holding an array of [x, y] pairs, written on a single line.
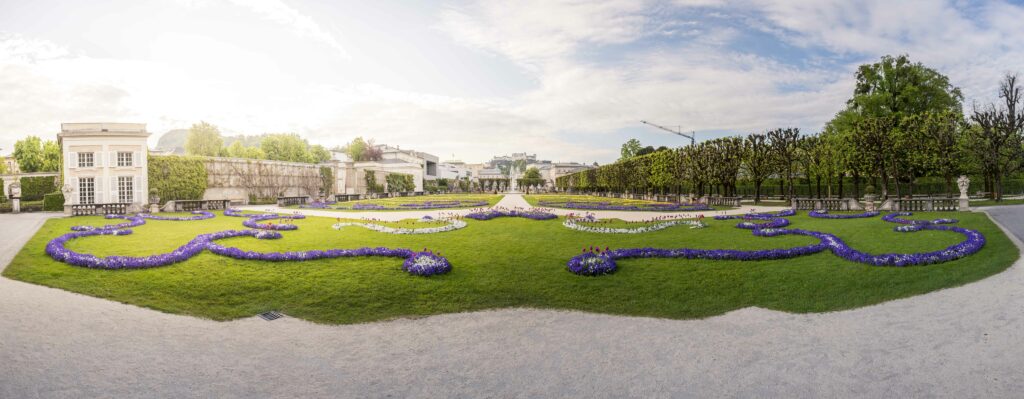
{"points": [[102, 129]]}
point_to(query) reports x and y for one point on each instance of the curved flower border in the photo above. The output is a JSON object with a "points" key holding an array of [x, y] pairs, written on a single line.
{"points": [[58, 250], [823, 214], [451, 226], [573, 223], [973, 243], [417, 205], [488, 214], [607, 206]]}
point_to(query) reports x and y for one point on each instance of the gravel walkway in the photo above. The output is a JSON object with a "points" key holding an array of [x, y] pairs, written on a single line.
{"points": [[960, 342]]}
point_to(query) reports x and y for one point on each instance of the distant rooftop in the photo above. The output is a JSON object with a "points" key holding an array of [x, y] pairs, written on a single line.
{"points": [[102, 129]]}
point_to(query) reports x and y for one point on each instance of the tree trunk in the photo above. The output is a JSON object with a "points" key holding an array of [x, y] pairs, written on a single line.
{"points": [[757, 192], [817, 182]]}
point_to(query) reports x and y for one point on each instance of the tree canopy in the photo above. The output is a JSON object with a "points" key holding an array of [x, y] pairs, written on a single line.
{"points": [[35, 155], [204, 140]]}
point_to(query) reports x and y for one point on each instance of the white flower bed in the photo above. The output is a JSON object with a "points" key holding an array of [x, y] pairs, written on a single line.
{"points": [[451, 226], [571, 223]]}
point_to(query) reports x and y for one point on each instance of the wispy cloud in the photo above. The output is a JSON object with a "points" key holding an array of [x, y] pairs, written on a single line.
{"points": [[278, 11]]}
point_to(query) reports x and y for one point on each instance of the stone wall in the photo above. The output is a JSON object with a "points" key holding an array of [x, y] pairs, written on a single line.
{"points": [[240, 180]]}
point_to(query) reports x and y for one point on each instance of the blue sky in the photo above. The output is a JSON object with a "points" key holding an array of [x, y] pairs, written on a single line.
{"points": [[569, 80]]}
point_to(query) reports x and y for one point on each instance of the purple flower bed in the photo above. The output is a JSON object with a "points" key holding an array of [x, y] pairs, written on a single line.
{"points": [[426, 263], [319, 205], [417, 263], [895, 218], [592, 263], [369, 207], [419, 205], [200, 215], [607, 206], [973, 243], [823, 214], [496, 213]]}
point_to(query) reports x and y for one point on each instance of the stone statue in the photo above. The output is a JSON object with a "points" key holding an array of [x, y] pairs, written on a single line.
{"points": [[15, 190], [67, 190], [963, 183]]}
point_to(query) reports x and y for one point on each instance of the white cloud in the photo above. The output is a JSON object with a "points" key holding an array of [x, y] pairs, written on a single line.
{"points": [[539, 30], [279, 12]]}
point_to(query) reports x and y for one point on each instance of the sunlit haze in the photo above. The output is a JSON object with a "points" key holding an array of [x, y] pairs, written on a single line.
{"points": [[569, 81]]}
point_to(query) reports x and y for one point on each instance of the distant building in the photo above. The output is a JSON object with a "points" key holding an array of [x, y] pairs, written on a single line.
{"points": [[454, 170], [351, 175], [105, 163], [11, 164]]}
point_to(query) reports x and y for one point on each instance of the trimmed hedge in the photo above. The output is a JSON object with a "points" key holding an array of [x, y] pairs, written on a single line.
{"points": [[3, 192], [177, 177], [53, 202], [34, 188]]}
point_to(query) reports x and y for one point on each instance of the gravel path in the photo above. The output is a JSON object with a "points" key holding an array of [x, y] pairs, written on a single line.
{"points": [[959, 342], [508, 201]]}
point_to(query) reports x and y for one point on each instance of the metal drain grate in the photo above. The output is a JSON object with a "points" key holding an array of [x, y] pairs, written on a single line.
{"points": [[271, 315]]}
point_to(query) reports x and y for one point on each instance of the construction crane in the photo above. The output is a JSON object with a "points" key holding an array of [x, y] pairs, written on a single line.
{"points": [[678, 131]]}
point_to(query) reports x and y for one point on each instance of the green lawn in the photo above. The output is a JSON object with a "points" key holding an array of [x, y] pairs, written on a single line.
{"points": [[1000, 203], [507, 262], [560, 198], [397, 202]]}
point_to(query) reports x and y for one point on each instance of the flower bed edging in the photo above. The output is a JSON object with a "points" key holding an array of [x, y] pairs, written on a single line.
{"points": [[451, 226], [56, 249], [973, 243]]}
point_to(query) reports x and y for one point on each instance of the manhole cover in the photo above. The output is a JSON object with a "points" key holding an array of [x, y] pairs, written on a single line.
{"points": [[271, 315]]}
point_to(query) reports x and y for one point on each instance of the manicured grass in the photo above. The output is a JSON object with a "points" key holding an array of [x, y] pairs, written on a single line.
{"points": [[397, 202], [536, 200], [1000, 203], [406, 223], [508, 262]]}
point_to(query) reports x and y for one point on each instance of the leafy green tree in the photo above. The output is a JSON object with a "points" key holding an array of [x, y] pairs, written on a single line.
{"points": [[286, 147], [646, 150], [532, 173], [897, 87], [319, 154], [356, 149], [29, 154], [51, 156], [238, 149], [630, 149], [203, 139]]}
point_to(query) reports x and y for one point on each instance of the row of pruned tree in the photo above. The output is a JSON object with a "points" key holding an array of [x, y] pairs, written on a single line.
{"points": [[904, 121]]}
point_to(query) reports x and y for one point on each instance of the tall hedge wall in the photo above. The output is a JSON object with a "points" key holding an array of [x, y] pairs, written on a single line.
{"points": [[34, 188], [177, 177], [400, 182]]}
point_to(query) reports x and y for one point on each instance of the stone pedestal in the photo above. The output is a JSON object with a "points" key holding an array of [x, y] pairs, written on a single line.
{"points": [[965, 204], [154, 208], [16, 205]]}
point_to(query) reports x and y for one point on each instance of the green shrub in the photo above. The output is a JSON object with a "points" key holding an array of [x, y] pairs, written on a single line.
{"points": [[34, 188], [399, 182], [3, 192], [177, 177], [371, 182], [53, 202]]}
